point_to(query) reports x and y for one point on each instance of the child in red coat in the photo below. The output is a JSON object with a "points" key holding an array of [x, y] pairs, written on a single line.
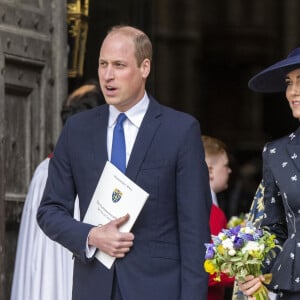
{"points": [[218, 165]]}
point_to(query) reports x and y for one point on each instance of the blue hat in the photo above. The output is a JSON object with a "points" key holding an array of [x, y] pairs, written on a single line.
{"points": [[272, 79]]}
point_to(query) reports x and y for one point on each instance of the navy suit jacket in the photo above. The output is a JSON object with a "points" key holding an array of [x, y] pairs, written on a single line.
{"points": [[167, 160]]}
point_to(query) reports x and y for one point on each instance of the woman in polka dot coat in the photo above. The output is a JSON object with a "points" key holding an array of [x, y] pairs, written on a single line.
{"points": [[281, 178]]}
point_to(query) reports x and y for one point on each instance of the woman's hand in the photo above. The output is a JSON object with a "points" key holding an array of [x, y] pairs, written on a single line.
{"points": [[251, 285]]}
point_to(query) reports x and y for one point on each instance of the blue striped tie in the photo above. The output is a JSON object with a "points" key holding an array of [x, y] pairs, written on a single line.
{"points": [[118, 150]]}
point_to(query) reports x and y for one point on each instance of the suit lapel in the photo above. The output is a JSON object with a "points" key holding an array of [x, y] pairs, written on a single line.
{"points": [[144, 138], [99, 139], [293, 148]]}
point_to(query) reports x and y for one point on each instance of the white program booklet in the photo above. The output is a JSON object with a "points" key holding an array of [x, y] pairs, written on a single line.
{"points": [[115, 196]]}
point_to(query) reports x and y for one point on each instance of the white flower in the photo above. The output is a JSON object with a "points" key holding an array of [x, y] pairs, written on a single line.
{"points": [[232, 252], [222, 236], [248, 230], [251, 246], [227, 244]]}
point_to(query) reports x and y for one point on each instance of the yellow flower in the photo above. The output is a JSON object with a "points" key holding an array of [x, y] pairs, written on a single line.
{"points": [[209, 267], [220, 249]]}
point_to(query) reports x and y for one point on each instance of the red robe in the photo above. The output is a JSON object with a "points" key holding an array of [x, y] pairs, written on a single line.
{"points": [[216, 290]]}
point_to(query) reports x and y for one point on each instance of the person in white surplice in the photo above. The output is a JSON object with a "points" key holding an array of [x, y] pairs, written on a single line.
{"points": [[43, 268]]}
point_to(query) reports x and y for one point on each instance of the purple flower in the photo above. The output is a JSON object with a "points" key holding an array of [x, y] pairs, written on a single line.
{"points": [[235, 230], [247, 236], [210, 252], [238, 243], [257, 234]]}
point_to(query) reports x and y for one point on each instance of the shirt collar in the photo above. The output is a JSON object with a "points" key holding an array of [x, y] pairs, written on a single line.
{"points": [[214, 198], [135, 114]]}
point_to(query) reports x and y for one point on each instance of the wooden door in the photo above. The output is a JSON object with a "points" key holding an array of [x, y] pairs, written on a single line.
{"points": [[33, 84]]}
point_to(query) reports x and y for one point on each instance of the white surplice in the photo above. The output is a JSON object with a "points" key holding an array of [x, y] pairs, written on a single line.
{"points": [[43, 268]]}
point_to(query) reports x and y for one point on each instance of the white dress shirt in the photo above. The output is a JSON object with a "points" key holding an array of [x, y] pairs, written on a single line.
{"points": [[214, 198]]}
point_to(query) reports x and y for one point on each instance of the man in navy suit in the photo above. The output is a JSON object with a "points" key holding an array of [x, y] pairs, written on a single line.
{"points": [[162, 258]]}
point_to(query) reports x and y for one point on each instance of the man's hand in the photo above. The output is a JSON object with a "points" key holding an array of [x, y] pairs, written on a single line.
{"points": [[110, 240]]}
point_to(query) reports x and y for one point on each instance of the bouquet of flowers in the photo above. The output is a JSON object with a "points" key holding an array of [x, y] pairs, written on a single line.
{"points": [[240, 251]]}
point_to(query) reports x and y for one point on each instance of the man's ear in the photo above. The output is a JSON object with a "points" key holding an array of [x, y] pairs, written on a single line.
{"points": [[145, 67]]}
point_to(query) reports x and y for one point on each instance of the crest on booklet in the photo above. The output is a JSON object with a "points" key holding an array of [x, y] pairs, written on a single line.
{"points": [[116, 195]]}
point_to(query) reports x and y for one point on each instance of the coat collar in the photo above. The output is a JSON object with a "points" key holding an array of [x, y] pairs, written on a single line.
{"points": [[100, 138]]}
